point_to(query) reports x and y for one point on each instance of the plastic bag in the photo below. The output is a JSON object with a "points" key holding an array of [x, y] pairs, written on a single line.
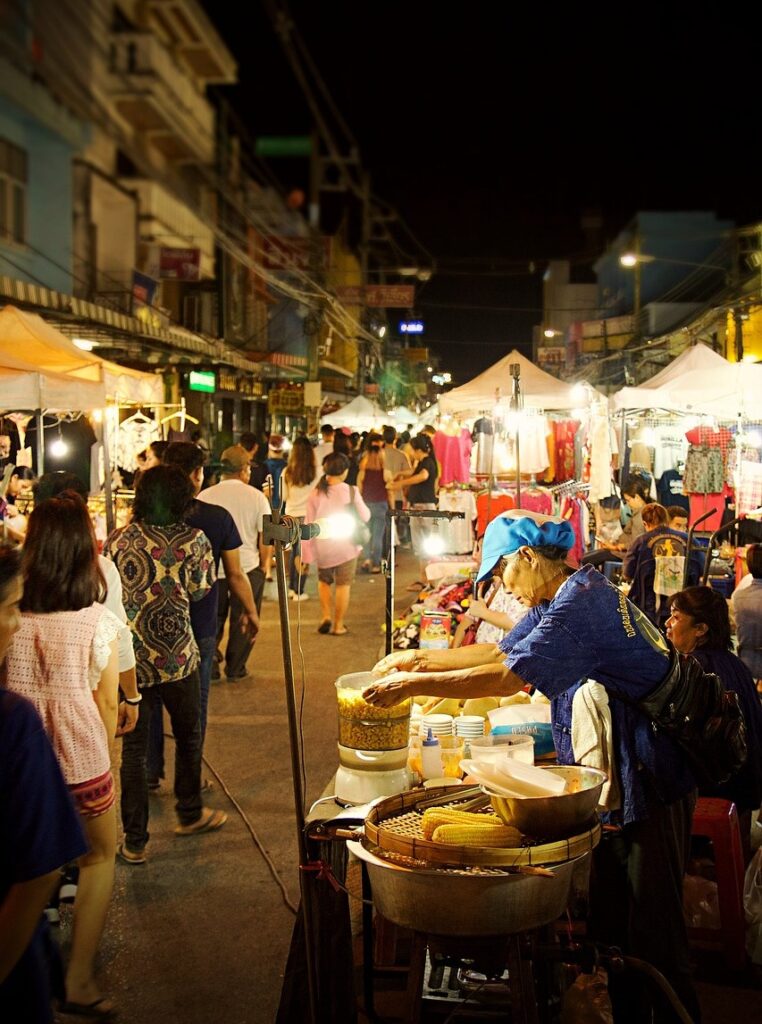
{"points": [[701, 908], [587, 1001], [532, 719], [752, 905]]}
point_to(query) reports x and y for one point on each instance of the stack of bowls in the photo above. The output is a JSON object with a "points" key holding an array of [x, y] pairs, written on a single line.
{"points": [[469, 726], [440, 725]]}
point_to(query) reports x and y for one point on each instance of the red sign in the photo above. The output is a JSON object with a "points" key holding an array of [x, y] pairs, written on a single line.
{"points": [[179, 264], [351, 294], [390, 295]]}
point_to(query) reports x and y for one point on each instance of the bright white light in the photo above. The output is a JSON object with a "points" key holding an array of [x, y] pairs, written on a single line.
{"points": [[59, 448], [447, 377], [579, 393], [750, 359], [286, 444], [84, 344], [628, 259], [433, 544], [429, 369], [340, 526], [549, 332], [754, 438], [98, 415], [498, 412], [382, 330]]}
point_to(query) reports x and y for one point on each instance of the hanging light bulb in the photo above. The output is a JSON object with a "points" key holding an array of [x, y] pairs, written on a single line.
{"points": [[434, 544], [59, 448]]}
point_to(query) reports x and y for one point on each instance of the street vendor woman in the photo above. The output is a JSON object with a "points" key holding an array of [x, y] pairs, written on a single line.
{"points": [[579, 627]]}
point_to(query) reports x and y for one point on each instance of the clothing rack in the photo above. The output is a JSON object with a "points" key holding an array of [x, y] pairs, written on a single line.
{"points": [[567, 488]]}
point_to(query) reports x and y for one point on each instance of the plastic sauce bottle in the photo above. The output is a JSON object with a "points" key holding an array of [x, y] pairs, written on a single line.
{"points": [[431, 757]]}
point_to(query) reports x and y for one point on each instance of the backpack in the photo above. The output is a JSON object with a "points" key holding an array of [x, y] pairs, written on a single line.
{"points": [[704, 719]]}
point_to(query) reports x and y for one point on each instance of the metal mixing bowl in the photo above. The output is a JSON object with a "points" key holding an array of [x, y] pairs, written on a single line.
{"points": [[553, 817]]}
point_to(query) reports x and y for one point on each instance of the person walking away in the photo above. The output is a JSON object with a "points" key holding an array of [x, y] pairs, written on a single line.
{"points": [[254, 446], [299, 479], [325, 445], [64, 660], [218, 526], [374, 482], [420, 484], [247, 507], [398, 464], [699, 625], [275, 464], [334, 551], [32, 791], [164, 565], [747, 609], [342, 445]]}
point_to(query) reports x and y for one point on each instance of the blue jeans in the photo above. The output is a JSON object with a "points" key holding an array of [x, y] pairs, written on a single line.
{"points": [[239, 646], [296, 581], [375, 549], [181, 699], [155, 765]]}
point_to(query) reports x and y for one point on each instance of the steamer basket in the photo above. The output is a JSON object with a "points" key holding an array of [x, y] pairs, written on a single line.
{"points": [[463, 902], [394, 827]]}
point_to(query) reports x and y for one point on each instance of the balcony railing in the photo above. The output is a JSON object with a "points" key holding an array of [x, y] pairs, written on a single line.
{"points": [[155, 96]]}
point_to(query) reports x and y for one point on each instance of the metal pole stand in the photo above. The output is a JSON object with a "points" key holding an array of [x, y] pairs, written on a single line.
{"points": [[284, 533]]}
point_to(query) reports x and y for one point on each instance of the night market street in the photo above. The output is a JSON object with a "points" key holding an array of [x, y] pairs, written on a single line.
{"points": [[200, 934]]}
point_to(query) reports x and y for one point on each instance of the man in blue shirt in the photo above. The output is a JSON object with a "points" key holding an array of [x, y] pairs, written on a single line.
{"points": [[579, 626]]}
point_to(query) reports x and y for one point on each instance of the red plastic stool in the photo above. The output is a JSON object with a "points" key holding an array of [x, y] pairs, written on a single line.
{"points": [[718, 820]]}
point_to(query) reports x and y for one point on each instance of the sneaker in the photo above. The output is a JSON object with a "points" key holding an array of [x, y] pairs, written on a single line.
{"points": [[67, 892], [215, 672], [300, 597], [52, 914], [130, 856], [292, 594]]}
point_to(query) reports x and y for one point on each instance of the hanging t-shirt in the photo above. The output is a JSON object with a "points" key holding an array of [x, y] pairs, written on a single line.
{"points": [[670, 490], [458, 534], [489, 506], [453, 452]]}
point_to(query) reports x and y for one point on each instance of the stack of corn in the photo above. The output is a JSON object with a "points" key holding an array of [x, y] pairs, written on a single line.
{"points": [[463, 828]]}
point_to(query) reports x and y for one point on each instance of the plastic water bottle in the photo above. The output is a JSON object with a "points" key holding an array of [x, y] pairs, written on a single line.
{"points": [[431, 757]]}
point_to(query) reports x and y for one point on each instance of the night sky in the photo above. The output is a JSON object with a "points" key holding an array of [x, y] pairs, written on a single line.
{"points": [[492, 128]]}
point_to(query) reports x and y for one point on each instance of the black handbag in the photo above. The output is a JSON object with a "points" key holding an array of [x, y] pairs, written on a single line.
{"points": [[705, 720], [362, 530]]}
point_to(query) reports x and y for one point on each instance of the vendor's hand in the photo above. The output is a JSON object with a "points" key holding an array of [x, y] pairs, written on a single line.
{"points": [[400, 661], [477, 609], [392, 691], [126, 718]]}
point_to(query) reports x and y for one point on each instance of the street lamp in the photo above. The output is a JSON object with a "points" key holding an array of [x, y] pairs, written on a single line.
{"points": [[634, 259]]}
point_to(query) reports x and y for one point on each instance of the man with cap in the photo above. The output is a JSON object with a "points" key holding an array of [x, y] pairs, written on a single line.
{"points": [[247, 507], [580, 627]]}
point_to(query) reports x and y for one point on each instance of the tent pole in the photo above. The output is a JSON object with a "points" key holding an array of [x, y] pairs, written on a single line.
{"points": [[40, 443], [109, 494]]}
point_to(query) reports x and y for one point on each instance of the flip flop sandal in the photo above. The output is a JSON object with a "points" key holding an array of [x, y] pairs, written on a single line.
{"points": [[129, 857], [206, 823], [89, 1010], [342, 633], [324, 627]]}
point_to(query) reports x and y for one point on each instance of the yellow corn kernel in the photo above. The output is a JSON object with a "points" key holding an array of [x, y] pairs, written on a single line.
{"points": [[435, 816], [476, 835]]}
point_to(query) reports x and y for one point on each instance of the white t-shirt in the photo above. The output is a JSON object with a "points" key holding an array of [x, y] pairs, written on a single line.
{"points": [[295, 498], [247, 506], [114, 604], [321, 450]]}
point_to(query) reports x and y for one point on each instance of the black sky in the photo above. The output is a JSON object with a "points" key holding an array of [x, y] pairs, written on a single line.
{"points": [[492, 127]]}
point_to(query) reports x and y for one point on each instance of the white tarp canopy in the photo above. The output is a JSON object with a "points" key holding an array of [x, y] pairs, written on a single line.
{"points": [[401, 416], [23, 389], [699, 382], [45, 351], [359, 414], [540, 390]]}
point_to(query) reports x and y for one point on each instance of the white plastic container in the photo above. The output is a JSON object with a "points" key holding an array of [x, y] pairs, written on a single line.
{"points": [[431, 757]]}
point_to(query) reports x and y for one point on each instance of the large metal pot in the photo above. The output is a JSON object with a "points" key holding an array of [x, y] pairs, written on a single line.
{"points": [[444, 903]]}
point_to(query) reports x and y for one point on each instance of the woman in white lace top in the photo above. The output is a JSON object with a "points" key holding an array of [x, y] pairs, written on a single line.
{"points": [[64, 660]]}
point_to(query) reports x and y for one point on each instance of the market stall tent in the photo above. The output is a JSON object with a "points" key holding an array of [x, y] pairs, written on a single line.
{"points": [[359, 414], [540, 390], [23, 389], [45, 350], [699, 382]]}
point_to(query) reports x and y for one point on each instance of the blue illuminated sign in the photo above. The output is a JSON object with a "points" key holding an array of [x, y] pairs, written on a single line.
{"points": [[411, 327]]}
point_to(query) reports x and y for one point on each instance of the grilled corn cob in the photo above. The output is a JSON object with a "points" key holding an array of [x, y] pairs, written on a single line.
{"points": [[435, 816], [476, 835]]}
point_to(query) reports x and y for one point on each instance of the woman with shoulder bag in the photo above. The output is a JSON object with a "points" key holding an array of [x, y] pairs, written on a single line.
{"points": [[335, 550]]}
